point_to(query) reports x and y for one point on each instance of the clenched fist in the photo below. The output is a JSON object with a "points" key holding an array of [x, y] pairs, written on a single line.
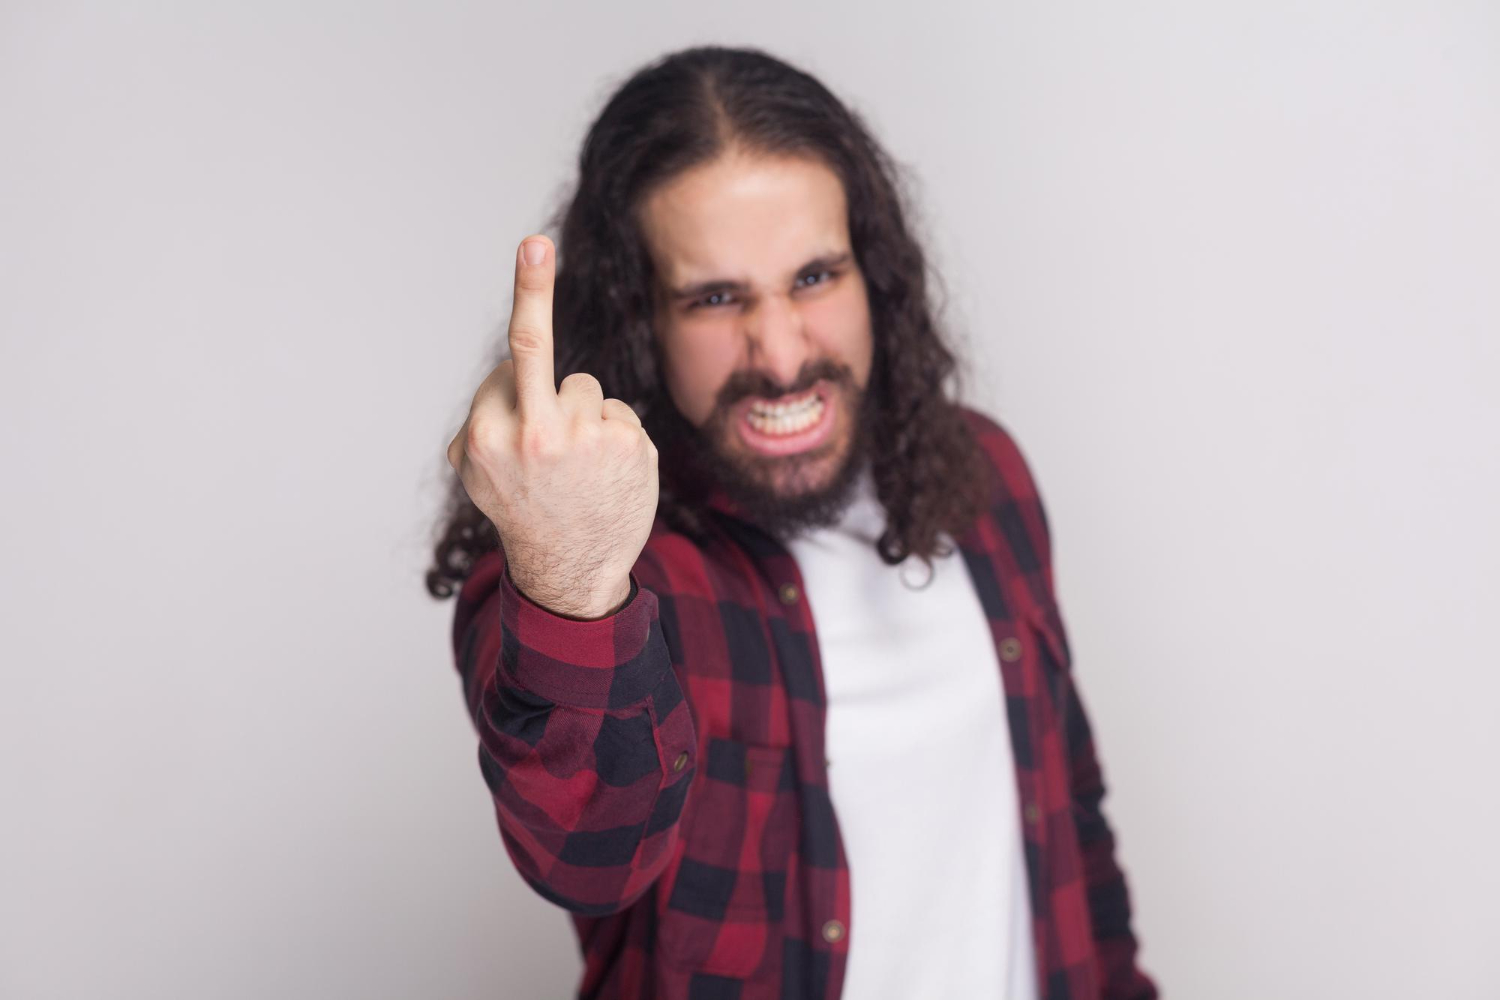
{"points": [[567, 476]]}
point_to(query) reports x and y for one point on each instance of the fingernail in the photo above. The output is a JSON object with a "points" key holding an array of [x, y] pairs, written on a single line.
{"points": [[534, 251]]}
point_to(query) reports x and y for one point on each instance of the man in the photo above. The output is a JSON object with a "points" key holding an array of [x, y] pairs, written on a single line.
{"points": [[752, 432]]}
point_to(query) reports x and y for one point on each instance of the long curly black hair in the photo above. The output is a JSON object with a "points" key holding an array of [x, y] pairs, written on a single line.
{"points": [[685, 109]]}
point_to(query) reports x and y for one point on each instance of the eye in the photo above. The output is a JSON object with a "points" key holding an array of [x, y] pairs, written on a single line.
{"points": [[810, 278], [710, 300]]}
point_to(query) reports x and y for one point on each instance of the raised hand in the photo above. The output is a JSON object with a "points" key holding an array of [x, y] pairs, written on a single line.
{"points": [[567, 476]]}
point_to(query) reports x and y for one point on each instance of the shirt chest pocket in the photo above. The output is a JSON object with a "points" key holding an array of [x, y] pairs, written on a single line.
{"points": [[722, 912]]}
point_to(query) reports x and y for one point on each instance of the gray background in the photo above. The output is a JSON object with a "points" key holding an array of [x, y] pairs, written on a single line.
{"points": [[1227, 270]]}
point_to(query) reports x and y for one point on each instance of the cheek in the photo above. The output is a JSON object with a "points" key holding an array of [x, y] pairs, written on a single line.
{"points": [[843, 325], [698, 360]]}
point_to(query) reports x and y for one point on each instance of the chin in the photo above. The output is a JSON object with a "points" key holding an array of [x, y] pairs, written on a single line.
{"points": [[798, 476], [790, 494]]}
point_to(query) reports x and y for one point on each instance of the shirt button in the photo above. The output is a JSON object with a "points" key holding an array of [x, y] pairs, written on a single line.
{"points": [[680, 762], [1010, 649], [833, 931], [788, 593], [1033, 812]]}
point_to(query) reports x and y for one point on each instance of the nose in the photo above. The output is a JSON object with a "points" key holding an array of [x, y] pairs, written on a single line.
{"points": [[778, 341]]}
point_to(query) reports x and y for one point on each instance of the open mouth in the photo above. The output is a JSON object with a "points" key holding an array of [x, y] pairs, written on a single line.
{"points": [[789, 424]]}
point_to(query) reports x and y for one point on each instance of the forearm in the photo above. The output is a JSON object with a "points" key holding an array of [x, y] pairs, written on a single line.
{"points": [[585, 742]]}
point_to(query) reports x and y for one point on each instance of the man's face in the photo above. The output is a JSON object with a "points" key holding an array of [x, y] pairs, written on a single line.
{"points": [[763, 320]]}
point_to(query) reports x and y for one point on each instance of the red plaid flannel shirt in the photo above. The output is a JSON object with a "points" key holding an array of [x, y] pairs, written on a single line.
{"points": [[660, 773]]}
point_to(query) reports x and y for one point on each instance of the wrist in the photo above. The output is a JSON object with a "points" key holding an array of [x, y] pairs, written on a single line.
{"points": [[577, 603], [607, 602]]}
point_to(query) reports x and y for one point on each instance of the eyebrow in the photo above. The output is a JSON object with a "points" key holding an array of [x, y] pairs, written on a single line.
{"points": [[701, 288]]}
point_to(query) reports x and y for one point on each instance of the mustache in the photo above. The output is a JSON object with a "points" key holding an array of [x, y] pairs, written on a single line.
{"points": [[743, 384]]}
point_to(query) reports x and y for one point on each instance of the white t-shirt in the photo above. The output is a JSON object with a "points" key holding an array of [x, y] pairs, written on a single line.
{"points": [[921, 773]]}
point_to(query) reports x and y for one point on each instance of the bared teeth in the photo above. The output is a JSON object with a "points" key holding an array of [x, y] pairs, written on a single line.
{"points": [[785, 418], [787, 408]]}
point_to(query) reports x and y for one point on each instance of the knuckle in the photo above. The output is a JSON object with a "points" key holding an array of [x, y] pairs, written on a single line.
{"points": [[480, 438], [618, 409], [635, 443], [588, 432], [582, 382], [539, 442], [618, 433], [526, 339]]}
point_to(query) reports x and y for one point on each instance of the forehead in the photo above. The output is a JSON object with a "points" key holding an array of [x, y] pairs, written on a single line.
{"points": [[744, 216]]}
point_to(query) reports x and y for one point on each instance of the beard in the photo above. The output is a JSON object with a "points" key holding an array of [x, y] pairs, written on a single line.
{"points": [[781, 494]]}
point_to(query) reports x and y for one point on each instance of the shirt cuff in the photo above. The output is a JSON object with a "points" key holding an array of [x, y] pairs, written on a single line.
{"points": [[602, 663]]}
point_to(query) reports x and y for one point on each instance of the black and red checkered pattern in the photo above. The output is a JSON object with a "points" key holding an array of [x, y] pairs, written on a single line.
{"points": [[661, 774]]}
